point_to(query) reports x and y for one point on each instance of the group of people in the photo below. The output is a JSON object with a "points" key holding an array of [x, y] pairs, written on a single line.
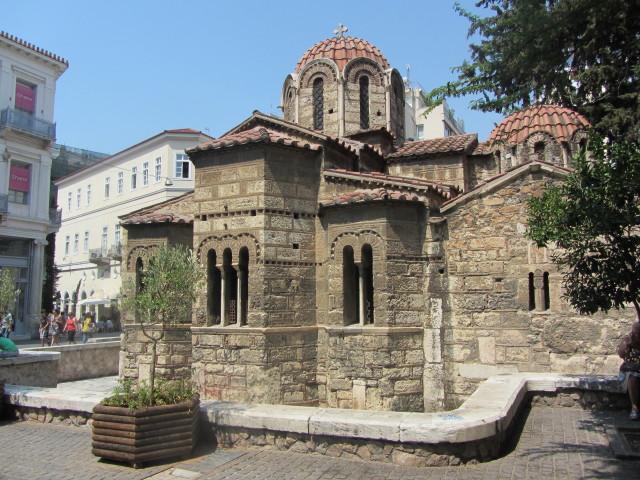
{"points": [[54, 325]]}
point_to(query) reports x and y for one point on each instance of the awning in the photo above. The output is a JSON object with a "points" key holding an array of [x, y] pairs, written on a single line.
{"points": [[96, 301]]}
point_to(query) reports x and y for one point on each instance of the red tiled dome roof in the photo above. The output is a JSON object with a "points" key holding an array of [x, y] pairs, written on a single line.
{"points": [[341, 50], [560, 122]]}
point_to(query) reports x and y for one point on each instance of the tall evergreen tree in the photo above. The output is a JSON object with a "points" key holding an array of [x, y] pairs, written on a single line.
{"points": [[581, 54]]}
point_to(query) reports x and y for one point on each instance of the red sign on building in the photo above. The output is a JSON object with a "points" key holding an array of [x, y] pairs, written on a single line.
{"points": [[25, 97], [19, 179]]}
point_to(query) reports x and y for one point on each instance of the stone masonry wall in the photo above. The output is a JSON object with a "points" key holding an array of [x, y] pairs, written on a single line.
{"points": [[266, 200], [448, 170], [276, 366], [173, 353], [374, 366], [488, 327]]}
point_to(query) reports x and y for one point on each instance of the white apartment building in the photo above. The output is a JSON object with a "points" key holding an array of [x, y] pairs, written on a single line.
{"points": [[439, 122], [88, 252], [28, 76]]}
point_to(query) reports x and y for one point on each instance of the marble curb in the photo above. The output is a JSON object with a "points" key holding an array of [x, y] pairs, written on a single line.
{"points": [[26, 357], [74, 347], [488, 411]]}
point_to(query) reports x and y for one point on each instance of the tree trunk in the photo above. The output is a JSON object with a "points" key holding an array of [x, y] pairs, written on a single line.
{"points": [[152, 372], [637, 307]]}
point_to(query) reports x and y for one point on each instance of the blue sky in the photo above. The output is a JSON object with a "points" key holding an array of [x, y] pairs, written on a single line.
{"points": [[138, 67]]}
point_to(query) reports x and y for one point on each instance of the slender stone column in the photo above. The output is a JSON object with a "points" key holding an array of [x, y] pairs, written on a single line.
{"points": [[240, 302], [223, 297], [538, 287], [362, 308]]}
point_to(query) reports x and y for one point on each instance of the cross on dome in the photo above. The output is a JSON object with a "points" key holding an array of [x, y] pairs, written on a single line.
{"points": [[340, 30]]}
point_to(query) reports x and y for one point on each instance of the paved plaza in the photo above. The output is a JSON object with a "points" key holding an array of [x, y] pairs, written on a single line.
{"points": [[554, 443]]}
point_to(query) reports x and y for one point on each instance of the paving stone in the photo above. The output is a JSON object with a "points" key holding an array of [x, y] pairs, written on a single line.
{"points": [[555, 443]]}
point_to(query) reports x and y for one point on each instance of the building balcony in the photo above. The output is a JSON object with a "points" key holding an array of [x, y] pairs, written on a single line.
{"points": [[104, 256], [100, 256], [27, 123], [55, 217]]}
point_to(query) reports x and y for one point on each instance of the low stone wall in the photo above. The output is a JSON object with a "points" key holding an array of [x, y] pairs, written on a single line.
{"points": [[410, 454], [38, 369], [47, 415], [84, 360], [477, 431]]}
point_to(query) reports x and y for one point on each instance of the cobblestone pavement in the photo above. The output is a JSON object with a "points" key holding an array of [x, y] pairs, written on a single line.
{"points": [[555, 443]]}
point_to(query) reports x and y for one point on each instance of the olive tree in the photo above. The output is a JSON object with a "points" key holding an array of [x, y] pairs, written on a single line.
{"points": [[164, 297]]}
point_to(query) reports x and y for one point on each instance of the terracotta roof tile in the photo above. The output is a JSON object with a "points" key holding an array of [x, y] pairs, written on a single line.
{"points": [[33, 47], [341, 50], [483, 148], [451, 144], [257, 134], [175, 210], [560, 122], [392, 181], [372, 195]]}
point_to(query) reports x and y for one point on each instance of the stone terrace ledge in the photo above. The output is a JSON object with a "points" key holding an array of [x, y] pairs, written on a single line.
{"points": [[488, 412]]}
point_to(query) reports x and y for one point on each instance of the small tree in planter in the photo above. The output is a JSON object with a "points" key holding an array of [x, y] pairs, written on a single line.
{"points": [[155, 420]]}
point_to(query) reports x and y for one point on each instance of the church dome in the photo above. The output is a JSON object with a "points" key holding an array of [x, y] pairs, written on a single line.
{"points": [[341, 50], [559, 122]]}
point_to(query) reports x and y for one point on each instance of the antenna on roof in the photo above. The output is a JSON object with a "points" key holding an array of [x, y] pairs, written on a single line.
{"points": [[340, 30], [408, 75]]}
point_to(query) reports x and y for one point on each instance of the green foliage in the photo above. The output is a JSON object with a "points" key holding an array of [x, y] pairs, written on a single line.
{"points": [[172, 281], [128, 394], [8, 290], [582, 54], [594, 218]]}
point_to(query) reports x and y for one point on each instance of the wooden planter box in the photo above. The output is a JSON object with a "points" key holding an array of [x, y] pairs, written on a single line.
{"points": [[146, 434]]}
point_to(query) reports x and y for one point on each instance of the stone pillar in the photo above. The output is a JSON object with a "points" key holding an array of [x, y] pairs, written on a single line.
{"points": [[223, 297], [362, 307], [35, 286], [538, 288], [240, 302]]}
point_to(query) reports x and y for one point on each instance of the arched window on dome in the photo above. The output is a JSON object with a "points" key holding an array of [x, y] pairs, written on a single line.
{"points": [[364, 102], [318, 104]]}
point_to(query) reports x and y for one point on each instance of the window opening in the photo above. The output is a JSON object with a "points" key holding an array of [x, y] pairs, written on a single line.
{"points": [[350, 305], [243, 285], [364, 102], [214, 279], [366, 273], [318, 104]]}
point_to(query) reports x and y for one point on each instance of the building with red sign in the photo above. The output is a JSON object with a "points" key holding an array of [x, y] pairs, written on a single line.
{"points": [[28, 76]]}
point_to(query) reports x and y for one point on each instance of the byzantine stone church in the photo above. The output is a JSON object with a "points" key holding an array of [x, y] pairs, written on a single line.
{"points": [[347, 267]]}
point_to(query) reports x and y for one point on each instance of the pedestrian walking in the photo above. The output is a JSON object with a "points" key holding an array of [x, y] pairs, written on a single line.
{"points": [[629, 351], [70, 329], [86, 327], [44, 330], [53, 330]]}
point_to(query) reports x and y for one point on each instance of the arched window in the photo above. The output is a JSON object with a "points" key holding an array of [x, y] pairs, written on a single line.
{"points": [[229, 304], [318, 104], [538, 150], [213, 289], [243, 285], [545, 287], [532, 293], [139, 275], [364, 102], [350, 305], [366, 272]]}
